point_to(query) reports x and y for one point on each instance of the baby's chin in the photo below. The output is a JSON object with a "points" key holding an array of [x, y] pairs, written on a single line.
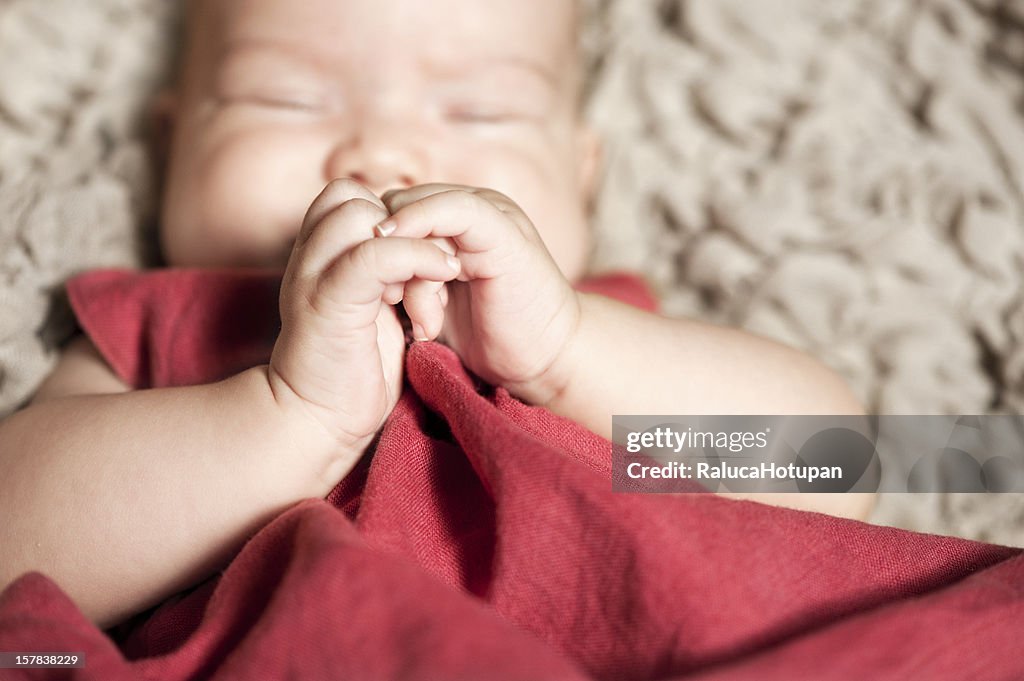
{"points": [[198, 259], [203, 249]]}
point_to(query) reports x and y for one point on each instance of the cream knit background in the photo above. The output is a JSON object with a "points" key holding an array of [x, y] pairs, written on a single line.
{"points": [[843, 175]]}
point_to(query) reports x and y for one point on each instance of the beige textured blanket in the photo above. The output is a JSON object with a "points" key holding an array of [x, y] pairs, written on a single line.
{"points": [[846, 176]]}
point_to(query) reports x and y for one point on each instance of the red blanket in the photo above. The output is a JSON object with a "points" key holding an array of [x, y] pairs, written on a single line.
{"points": [[482, 541]]}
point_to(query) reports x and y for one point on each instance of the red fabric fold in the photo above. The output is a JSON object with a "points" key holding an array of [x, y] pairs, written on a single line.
{"points": [[481, 540], [173, 327]]}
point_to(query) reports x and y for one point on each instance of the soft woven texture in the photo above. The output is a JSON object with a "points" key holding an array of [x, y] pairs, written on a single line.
{"points": [[846, 176], [482, 540]]}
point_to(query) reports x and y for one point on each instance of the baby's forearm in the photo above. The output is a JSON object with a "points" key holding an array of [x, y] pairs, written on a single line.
{"points": [[126, 499], [626, 361]]}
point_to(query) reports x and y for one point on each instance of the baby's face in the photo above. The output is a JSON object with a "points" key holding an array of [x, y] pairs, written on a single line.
{"points": [[278, 97]]}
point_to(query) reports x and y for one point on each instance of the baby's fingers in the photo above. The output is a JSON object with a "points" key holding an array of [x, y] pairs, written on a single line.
{"points": [[351, 289], [471, 221], [394, 293], [425, 308], [337, 193], [339, 229]]}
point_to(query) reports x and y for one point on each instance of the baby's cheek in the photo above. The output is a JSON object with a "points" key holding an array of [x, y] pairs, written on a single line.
{"points": [[264, 176], [255, 188]]}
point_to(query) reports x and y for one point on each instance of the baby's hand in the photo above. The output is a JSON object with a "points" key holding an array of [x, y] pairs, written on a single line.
{"points": [[338, 359], [511, 314]]}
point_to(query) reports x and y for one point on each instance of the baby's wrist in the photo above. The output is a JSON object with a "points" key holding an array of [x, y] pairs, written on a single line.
{"points": [[331, 454], [548, 389], [587, 370]]}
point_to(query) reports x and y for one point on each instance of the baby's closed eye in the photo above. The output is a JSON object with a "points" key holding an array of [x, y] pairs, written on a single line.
{"points": [[490, 98], [271, 80], [486, 112]]}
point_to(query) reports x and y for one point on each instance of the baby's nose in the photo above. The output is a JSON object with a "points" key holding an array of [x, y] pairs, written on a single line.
{"points": [[378, 183], [378, 157]]}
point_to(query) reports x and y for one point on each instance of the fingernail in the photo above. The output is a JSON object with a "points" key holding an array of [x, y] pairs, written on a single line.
{"points": [[417, 333], [453, 263], [385, 228]]}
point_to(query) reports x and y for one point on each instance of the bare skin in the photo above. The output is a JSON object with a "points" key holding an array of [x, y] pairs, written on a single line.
{"points": [[477, 132]]}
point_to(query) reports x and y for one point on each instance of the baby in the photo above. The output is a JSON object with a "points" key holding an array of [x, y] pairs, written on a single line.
{"points": [[379, 152]]}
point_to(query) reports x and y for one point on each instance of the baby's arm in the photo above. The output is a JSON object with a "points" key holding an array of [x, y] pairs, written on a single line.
{"points": [[124, 499], [622, 360], [127, 498], [516, 322]]}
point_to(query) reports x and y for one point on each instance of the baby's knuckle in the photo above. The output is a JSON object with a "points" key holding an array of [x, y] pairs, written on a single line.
{"points": [[365, 256], [362, 207], [299, 304], [303, 261], [465, 197], [462, 200], [361, 203], [386, 260], [494, 196], [351, 211], [345, 185], [343, 189], [312, 298]]}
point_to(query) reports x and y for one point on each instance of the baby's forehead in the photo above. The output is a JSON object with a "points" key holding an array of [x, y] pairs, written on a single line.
{"points": [[540, 29]]}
